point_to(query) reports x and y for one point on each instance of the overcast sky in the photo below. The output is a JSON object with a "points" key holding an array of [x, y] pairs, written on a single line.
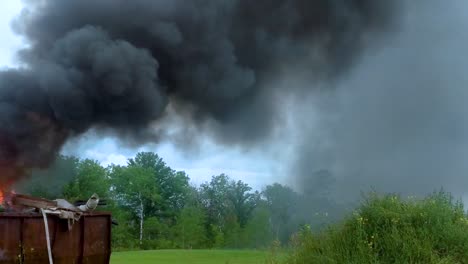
{"points": [[210, 160], [9, 42]]}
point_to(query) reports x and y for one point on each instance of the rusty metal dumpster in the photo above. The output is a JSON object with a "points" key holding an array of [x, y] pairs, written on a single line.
{"points": [[23, 239]]}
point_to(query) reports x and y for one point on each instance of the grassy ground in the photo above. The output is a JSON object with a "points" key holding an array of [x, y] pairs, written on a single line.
{"points": [[190, 257]]}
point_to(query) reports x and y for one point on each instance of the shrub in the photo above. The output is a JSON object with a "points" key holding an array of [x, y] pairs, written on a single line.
{"points": [[389, 229]]}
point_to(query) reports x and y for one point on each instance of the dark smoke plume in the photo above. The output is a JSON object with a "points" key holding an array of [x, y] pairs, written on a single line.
{"points": [[398, 121], [118, 65]]}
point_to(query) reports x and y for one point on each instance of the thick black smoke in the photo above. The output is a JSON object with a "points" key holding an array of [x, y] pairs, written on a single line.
{"points": [[118, 64]]}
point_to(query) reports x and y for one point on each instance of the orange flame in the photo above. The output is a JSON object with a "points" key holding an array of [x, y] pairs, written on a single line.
{"points": [[5, 194], [6, 198]]}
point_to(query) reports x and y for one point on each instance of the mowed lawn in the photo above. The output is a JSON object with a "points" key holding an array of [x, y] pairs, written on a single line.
{"points": [[190, 257]]}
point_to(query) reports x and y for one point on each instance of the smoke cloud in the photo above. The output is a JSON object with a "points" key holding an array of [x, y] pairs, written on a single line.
{"points": [[397, 122], [119, 66]]}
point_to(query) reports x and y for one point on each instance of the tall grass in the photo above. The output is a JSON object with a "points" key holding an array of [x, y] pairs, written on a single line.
{"points": [[389, 229]]}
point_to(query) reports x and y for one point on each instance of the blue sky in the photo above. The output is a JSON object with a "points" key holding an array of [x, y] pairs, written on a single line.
{"points": [[253, 168]]}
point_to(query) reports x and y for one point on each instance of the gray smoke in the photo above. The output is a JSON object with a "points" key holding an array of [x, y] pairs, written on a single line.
{"points": [[398, 122], [118, 65]]}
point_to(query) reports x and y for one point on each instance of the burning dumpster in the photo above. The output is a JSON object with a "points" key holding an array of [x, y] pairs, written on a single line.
{"points": [[34, 230]]}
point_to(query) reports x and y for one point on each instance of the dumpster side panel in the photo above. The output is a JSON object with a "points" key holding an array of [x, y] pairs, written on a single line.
{"points": [[97, 236], [23, 239], [34, 239], [10, 240], [67, 244]]}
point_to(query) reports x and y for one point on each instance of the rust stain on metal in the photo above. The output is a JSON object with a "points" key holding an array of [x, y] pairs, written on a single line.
{"points": [[22, 239]]}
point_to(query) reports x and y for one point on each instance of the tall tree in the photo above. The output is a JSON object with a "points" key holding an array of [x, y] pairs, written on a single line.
{"points": [[228, 205], [258, 229], [135, 188], [243, 201], [281, 201], [190, 230], [173, 186], [213, 197]]}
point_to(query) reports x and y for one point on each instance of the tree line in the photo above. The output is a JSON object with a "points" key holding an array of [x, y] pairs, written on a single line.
{"points": [[156, 207]]}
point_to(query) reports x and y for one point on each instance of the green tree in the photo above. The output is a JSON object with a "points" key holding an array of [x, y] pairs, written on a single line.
{"points": [[213, 197], [135, 189], [123, 234], [90, 178], [228, 205], [243, 201], [281, 202], [233, 232], [154, 193], [190, 230], [173, 186], [158, 234], [258, 229]]}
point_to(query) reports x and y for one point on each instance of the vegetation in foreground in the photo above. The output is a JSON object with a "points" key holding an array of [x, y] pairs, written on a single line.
{"points": [[389, 229], [190, 256]]}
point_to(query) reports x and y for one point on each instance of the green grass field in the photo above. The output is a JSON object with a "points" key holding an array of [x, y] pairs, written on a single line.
{"points": [[190, 257]]}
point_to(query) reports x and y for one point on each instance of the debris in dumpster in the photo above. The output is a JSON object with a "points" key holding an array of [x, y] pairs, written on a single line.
{"points": [[59, 207], [102, 202], [29, 201], [91, 204]]}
